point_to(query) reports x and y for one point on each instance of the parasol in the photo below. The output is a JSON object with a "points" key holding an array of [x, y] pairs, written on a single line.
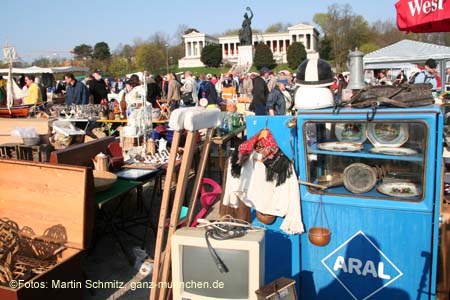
{"points": [[423, 15]]}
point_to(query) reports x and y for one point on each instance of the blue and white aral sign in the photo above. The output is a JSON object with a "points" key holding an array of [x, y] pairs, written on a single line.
{"points": [[361, 267]]}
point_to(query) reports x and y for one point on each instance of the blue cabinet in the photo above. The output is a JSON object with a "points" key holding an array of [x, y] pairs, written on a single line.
{"points": [[381, 202]]}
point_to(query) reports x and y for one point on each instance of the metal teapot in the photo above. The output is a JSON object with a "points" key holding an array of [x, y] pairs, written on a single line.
{"points": [[101, 162]]}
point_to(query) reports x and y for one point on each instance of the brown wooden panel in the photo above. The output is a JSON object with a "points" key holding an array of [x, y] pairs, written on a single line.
{"points": [[42, 195], [81, 154]]}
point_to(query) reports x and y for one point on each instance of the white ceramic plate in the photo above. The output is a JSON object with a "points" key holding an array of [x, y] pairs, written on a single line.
{"points": [[350, 132], [340, 146], [388, 134], [399, 189], [393, 151]]}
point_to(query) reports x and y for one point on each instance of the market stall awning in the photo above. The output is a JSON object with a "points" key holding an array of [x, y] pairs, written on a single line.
{"points": [[39, 70], [423, 15]]}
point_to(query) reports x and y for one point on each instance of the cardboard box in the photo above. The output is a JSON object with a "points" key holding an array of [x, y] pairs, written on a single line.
{"points": [[40, 196]]}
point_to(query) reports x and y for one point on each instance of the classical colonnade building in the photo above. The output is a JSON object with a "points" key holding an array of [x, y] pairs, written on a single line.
{"points": [[278, 42]]}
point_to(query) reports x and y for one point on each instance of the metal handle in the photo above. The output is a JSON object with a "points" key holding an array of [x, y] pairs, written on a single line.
{"points": [[319, 186]]}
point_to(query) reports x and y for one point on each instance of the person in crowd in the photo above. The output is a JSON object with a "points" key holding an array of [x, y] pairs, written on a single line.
{"points": [[76, 91], [153, 90], [260, 92], [400, 78], [42, 88], [342, 85], [22, 82], [428, 75], [34, 92], [276, 104], [247, 84], [97, 87], [214, 79], [2, 82], [335, 88], [207, 90], [229, 82], [382, 79], [173, 91], [447, 76], [189, 89], [272, 83]]}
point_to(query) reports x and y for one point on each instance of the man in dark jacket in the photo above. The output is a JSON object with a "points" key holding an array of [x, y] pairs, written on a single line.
{"points": [[260, 92], [276, 104], [97, 87], [76, 91]]}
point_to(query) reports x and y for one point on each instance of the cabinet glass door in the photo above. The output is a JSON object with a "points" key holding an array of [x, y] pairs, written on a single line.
{"points": [[376, 160]]}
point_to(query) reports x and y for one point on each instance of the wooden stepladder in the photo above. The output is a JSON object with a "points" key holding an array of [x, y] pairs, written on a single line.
{"points": [[192, 120]]}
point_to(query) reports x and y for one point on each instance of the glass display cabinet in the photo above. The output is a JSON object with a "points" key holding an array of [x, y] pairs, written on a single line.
{"points": [[378, 198], [374, 187]]}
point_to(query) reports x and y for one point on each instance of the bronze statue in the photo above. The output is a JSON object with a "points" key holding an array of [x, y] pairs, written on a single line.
{"points": [[245, 33]]}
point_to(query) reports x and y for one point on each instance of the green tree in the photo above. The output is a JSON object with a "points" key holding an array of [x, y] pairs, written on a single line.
{"points": [[263, 57], [101, 51], [43, 62], [119, 66], [368, 47], [212, 55], [277, 27], [150, 57], [82, 51], [325, 48], [295, 55], [345, 30]]}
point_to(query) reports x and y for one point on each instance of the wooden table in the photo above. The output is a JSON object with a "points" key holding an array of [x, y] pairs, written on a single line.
{"points": [[223, 140]]}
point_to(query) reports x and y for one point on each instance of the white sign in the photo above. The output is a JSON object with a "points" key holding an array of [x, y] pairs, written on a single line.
{"points": [[359, 262]]}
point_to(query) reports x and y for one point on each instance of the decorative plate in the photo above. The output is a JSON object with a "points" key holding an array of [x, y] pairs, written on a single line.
{"points": [[350, 132], [393, 151], [399, 189], [340, 146], [388, 134], [359, 178]]}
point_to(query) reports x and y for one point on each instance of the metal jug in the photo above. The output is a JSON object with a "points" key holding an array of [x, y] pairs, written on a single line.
{"points": [[101, 162], [355, 65]]}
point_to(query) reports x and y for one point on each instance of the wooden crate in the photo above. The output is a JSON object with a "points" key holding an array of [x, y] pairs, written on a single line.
{"points": [[40, 196]]}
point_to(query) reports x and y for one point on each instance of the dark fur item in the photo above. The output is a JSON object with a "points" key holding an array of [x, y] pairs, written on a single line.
{"points": [[393, 96]]}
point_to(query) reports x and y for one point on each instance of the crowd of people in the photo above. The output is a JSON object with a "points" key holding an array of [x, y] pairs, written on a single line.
{"points": [[270, 93]]}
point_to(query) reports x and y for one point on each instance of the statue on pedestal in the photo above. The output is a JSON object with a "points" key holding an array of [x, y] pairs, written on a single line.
{"points": [[245, 33]]}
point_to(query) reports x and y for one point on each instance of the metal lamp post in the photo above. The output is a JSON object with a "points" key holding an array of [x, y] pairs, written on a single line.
{"points": [[167, 59]]}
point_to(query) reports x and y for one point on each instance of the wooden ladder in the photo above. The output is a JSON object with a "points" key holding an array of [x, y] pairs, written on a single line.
{"points": [[162, 261]]}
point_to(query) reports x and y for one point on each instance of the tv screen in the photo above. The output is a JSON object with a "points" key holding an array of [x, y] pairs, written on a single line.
{"points": [[195, 275], [205, 278]]}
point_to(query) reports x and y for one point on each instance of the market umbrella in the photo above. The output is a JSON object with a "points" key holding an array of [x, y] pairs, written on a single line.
{"points": [[423, 15]]}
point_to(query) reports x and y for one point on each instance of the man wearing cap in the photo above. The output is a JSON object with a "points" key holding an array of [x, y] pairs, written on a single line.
{"points": [[428, 75], [97, 87], [260, 92]]}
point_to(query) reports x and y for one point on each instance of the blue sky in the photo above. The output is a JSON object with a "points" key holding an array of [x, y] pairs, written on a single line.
{"points": [[49, 27]]}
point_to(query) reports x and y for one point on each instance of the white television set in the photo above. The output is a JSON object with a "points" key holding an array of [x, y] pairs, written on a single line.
{"points": [[196, 276]]}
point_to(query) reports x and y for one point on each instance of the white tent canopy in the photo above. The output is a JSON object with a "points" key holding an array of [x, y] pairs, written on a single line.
{"points": [[39, 70], [407, 51]]}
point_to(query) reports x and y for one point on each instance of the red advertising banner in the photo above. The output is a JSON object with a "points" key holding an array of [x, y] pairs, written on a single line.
{"points": [[423, 15]]}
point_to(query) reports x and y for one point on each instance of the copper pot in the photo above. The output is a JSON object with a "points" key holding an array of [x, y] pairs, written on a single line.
{"points": [[319, 236], [265, 219]]}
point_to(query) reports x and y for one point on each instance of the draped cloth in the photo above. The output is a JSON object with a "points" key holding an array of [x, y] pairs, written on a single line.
{"points": [[252, 179]]}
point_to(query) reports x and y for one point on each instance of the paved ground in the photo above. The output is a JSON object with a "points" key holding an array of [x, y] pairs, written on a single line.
{"points": [[106, 262]]}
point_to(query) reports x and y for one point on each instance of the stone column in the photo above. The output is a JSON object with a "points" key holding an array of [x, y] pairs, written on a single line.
{"points": [[186, 49]]}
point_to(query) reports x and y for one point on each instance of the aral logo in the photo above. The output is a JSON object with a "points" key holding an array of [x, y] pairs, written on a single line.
{"points": [[424, 6], [361, 267]]}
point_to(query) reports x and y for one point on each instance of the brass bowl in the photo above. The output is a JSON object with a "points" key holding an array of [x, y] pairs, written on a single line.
{"points": [[330, 180], [319, 236]]}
